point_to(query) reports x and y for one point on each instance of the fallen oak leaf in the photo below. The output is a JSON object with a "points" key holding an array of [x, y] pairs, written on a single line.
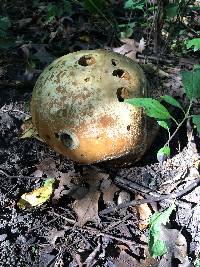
{"points": [[87, 208], [48, 167], [130, 47]]}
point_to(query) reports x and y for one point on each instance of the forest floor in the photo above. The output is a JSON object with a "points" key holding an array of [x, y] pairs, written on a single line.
{"points": [[97, 215]]}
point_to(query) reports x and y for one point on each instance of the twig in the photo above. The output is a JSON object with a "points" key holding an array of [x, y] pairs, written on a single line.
{"points": [[153, 199], [21, 177], [93, 230]]}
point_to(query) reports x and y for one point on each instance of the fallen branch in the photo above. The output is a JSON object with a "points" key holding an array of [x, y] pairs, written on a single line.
{"points": [[153, 199]]}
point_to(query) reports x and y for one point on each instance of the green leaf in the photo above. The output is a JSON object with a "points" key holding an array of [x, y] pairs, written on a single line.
{"points": [[191, 83], [4, 26], [195, 43], [172, 10], [4, 23], [157, 247], [163, 124], [127, 33], [132, 5], [196, 121], [164, 151], [172, 101], [152, 107], [197, 262]]}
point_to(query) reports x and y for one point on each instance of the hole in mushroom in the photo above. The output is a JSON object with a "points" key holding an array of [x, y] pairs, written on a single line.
{"points": [[122, 93], [56, 135], [86, 61], [114, 62], [87, 79], [128, 127], [121, 74], [69, 140]]}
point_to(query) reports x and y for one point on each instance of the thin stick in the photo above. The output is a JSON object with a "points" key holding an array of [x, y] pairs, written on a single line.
{"points": [[21, 177], [153, 199]]}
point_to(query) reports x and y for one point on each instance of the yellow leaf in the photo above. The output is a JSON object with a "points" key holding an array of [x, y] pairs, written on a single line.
{"points": [[38, 196]]}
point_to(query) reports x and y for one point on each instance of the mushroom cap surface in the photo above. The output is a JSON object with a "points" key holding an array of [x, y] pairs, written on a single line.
{"points": [[77, 107]]}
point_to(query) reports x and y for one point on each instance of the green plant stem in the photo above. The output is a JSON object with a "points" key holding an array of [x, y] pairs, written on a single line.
{"points": [[180, 124], [175, 120]]}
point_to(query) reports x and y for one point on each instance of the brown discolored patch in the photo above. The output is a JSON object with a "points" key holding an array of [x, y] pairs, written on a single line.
{"points": [[59, 89], [47, 137], [86, 60], [114, 62], [87, 79], [56, 135], [106, 121], [50, 104], [72, 73], [123, 74], [63, 99], [75, 83], [122, 93]]}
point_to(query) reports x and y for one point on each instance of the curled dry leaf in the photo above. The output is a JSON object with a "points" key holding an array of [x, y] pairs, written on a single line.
{"points": [[130, 47], [144, 213], [108, 189], [28, 130]]}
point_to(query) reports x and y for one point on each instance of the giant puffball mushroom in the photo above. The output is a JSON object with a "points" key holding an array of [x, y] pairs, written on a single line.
{"points": [[77, 107]]}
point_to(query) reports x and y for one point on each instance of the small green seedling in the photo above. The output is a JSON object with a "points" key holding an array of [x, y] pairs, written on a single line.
{"points": [[153, 108], [157, 247]]}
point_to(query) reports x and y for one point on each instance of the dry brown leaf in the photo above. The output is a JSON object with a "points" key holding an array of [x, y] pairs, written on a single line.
{"points": [[125, 260], [48, 167], [87, 207], [144, 213], [64, 186], [68, 183], [28, 130], [130, 47], [176, 247], [108, 189], [54, 234]]}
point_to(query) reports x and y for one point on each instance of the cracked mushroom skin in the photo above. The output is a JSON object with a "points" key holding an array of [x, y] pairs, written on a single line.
{"points": [[77, 107]]}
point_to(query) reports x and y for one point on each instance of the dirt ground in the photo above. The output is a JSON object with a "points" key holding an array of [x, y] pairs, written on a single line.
{"points": [[57, 234]]}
